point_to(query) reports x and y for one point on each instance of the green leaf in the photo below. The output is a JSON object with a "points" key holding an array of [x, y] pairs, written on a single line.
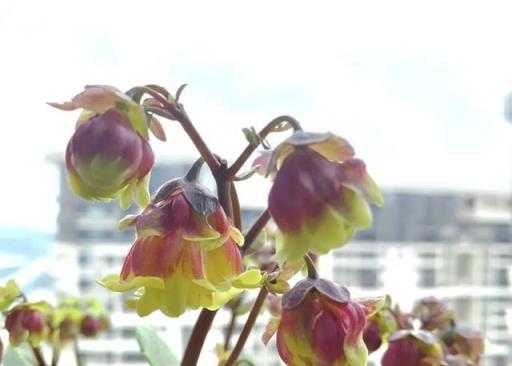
{"points": [[153, 348], [18, 356]]}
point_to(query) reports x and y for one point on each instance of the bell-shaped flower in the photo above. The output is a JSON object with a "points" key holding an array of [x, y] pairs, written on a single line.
{"points": [[380, 325], [186, 254], [27, 322], [320, 326], [432, 312], [413, 348], [320, 194], [108, 155], [464, 342]]}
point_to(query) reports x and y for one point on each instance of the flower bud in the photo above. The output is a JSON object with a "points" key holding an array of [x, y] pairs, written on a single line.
{"points": [[372, 337], [26, 322], [8, 294], [413, 348], [320, 194], [432, 312], [321, 326], [108, 156], [90, 326], [464, 342]]}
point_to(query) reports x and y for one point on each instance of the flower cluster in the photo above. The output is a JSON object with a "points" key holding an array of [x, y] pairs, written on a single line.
{"points": [[189, 253]]}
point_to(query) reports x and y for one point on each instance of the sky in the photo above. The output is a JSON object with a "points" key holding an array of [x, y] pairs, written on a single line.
{"points": [[417, 88]]}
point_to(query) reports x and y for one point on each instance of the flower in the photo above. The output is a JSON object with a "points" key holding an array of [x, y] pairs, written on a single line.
{"points": [[464, 342], [320, 193], [413, 348], [186, 253], [432, 312], [27, 322], [321, 326], [108, 155], [8, 294]]}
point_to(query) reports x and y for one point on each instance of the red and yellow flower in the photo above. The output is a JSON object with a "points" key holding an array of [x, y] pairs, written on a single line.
{"points": [[321, 326], [320, 194], [108, 155], [186, 253]]}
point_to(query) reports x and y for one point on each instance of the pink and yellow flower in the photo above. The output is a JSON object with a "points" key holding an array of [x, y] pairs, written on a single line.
{"points": [[321, 326], [186, 254], [108, 156], [320, 194], [27, 322]]}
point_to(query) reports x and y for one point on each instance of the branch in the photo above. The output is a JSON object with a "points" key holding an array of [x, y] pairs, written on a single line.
{"points": [[272, 126], [255, 229], [240, 343], [197, 338], [38, 355]]}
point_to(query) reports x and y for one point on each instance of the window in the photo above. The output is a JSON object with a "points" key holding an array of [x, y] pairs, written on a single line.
{"points": [[427, 278]]}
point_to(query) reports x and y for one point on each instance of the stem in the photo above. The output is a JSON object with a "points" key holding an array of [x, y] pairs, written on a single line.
{"points": [[55, 355], [229, 330], [76, 351], [255, 311], [196, 138], [196, 340], [195, 169], [38, 355], [270, 127], [237, 218], [255, 229], [312, 273]]}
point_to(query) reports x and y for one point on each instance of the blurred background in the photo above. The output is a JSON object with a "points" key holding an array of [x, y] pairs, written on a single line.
{"points": [[417, 88]]}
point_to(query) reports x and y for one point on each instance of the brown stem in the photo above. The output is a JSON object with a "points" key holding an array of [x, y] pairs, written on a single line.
{"points": [[55, 355], [196, 138], [229, 330], [38, 355], [197, 338], [312, 273], [255, 229], [76, 351], [240, 343], [237, 218], [270, 127]]}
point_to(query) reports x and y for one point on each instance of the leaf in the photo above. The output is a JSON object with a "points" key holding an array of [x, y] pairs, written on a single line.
{"points": [[157, 129], [154, 350], [18, 356], [252, 136]]}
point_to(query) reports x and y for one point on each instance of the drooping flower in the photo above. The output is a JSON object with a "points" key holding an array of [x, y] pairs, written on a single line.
{"points": [[380, 325], [321, 326], [8, 294], [186, 254], [432, 312], [320, 194], [27, 322], [464, 342], [413, 348], [108, 155]]}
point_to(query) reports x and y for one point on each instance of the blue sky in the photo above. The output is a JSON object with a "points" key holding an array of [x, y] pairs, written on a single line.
{"points": [[417, 88]]}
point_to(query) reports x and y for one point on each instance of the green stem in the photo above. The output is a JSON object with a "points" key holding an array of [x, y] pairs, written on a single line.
{"points": [[55, 355], [76, 351], [251, 320], [270, 127]]}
